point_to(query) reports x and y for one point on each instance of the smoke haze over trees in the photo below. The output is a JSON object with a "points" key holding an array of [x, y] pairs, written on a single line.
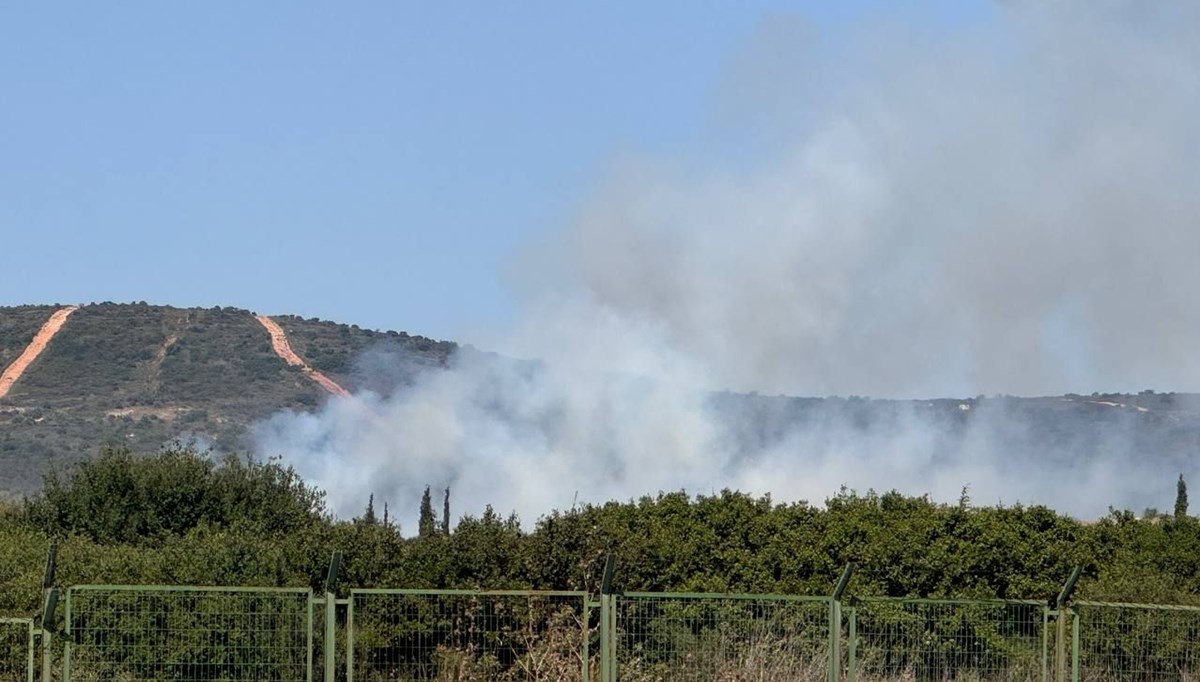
{"points": [[1001, 208]]}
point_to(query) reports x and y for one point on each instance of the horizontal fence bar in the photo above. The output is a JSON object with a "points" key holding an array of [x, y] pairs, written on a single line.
{"points": [[467, 593], [1130, 605], [720, 595], [949, 601], [189, 588]]}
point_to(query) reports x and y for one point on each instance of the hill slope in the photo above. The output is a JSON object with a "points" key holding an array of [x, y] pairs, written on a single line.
{"points": [[143, 375]]}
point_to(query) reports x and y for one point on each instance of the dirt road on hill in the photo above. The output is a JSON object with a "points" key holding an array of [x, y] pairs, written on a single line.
{"points": [[284, 350], [34, 349]]}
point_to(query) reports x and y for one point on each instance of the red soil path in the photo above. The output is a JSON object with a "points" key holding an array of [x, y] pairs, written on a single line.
{"points": [[284, 350], [34, 349]]}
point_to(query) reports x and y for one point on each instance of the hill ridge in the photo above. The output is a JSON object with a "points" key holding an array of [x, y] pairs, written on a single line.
{"points": [[143, 376]]}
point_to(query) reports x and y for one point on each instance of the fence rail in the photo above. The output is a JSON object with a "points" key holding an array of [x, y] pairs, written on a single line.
{"points": [[231, 634]]}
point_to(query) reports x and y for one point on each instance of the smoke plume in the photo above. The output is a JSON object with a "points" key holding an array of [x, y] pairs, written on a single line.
{"points": [[1002, 208]]}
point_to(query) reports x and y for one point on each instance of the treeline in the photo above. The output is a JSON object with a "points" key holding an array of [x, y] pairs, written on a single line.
{"points": [[183, 518]]}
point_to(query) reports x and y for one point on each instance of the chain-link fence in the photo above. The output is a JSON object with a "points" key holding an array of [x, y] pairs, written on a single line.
{"points": [[16, 650], [724, 638], [229, 634], [1136, 642], [401, 635], [188, 634], [935, 640]]}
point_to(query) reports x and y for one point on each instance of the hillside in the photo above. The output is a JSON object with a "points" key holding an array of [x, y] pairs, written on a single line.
{"points": [[142, 376]]}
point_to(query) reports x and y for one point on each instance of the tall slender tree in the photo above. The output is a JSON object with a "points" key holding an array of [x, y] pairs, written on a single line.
{"points": [[446, 512], [426, 524], [1180, 498], [369, 514]]}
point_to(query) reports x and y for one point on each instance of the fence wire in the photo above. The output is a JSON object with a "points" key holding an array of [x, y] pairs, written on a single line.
{"points": [[947, 640], [1138, 642], [16, 650], [188, 634], [402, 635], [723, 638], [131, 634]]}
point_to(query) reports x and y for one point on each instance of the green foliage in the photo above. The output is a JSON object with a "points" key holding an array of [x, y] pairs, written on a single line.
{"points": [[181, 517], [123, 498]]}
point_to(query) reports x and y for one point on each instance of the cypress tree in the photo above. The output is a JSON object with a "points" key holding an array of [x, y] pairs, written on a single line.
{"points": [[446, 512], [1180, 498], [369, 515], [426, 523]]}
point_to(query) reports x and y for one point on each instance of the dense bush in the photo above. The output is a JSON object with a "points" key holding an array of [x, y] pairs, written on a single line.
{"points": [[125, 499], [183, 517]]}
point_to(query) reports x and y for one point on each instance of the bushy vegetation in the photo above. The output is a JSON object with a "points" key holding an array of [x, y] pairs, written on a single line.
{"points": [[183, 517], [18, 327]]}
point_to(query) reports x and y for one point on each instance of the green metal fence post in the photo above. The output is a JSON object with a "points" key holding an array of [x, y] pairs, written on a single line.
{"points": [[852, 668], [608, 623], [47, 626], [1074, 644], [29, 663], [835, 626], [835, 623], [586, 618], [1060, 606], [613, 647], [308, 641], [335, 565], [605, 640], [1060, 647], [67, 645], [330, 646], [47, 642], [350, 638], [1045, 644], [49, 604]]}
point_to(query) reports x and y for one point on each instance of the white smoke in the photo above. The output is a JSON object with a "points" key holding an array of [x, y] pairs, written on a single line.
{"points": [[1001, 209]]}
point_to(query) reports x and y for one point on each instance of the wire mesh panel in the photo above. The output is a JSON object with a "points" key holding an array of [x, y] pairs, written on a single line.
{"points": [[16, 650], [401, 635], [1138, 642], [914, 639], [727, 638], [130, 634]]}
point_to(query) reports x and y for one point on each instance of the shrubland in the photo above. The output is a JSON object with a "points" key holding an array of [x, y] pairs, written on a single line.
{"points": [[185, 517]]}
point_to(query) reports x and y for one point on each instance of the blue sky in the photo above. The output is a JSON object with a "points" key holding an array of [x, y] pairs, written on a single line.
{"points": [[371, 163]]}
